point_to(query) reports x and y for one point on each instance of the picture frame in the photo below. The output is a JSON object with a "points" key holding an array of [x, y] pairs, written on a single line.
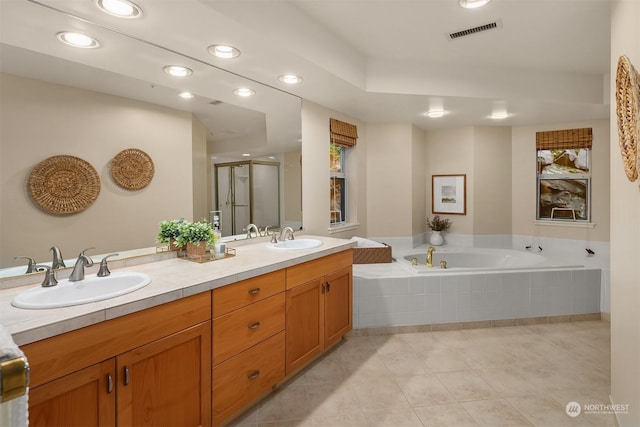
{"points": [[449, 194]]}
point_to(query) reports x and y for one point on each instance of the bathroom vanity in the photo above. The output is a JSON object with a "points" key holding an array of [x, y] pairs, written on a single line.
{"points": [[196, 347]]}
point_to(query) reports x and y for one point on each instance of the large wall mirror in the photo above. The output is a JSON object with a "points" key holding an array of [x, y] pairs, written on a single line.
{"points": [[94, 103]]}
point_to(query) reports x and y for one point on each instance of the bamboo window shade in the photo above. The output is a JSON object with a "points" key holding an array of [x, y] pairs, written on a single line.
{"points": [[343, 133], [564, 139]]}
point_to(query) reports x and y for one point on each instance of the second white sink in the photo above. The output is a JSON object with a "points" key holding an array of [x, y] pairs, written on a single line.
{"points": [[295, 244], [91, 289]]}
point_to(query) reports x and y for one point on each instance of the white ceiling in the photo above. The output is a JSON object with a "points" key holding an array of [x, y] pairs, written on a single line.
{"points": [[379, 61]]}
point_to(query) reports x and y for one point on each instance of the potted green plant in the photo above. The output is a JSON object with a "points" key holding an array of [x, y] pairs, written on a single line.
{"points": [[437, 225], [196, 236], [169, 231]]}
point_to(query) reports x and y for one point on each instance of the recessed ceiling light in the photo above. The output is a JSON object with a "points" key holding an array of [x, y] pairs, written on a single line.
{"points": [[499, 116], [434, 113], [177, 70], [77, 40], [223, 51], [472, 4], [246, 155], [272, 157], [186, 95], [120, 8], [290, 79], [243, 91]]}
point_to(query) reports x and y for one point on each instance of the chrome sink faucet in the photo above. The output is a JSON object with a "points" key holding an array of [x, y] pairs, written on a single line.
{"points": [[253, 227], [287, 231], [78, 270], [430, 252]]}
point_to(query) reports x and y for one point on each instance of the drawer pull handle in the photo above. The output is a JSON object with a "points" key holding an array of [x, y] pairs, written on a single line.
{"points": [[328, 286], [126, 376], [254, 291], [253, 375], [254, 325], [109, 383]]}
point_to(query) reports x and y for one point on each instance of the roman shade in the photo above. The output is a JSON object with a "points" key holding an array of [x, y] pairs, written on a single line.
{"points": [[564, 139], [343, 133]]}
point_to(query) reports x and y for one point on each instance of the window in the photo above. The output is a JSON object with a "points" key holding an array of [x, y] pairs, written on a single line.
{"points": [[337, 184], [343, 137], [564, 175]]}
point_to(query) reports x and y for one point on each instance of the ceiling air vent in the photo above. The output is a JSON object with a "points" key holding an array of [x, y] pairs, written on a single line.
{"points": [[474, 30]]}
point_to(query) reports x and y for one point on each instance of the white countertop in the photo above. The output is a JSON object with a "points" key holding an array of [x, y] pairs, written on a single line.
{"points": [[170, 280]]}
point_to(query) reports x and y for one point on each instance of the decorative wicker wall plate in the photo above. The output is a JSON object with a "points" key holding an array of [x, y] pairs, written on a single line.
{"points": [[63, 185], [132, 169], [628, 111]]}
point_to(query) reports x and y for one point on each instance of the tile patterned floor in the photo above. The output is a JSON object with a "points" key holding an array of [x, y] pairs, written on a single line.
{"points": [[509, 376]]}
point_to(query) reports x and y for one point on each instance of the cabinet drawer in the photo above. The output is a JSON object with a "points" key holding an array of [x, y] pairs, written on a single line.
{"points": [[237, 295], [245, 377], [241, 329], [305, 272]]}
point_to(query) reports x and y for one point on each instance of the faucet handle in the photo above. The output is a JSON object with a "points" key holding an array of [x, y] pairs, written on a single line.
{"points": [[82, 254], [49, 276], [104, 268], [31, 267]]}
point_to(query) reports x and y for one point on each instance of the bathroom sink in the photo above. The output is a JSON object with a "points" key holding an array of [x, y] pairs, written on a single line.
{"points": [[91, 289], [295, 244]]}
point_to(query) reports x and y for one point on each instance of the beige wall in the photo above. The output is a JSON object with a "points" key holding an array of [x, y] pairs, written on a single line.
{"points": [[625, 235], [524, 182], [315, 173], [389, 179], [448, 152], [491, 185], [418, 182], [39, 120]]}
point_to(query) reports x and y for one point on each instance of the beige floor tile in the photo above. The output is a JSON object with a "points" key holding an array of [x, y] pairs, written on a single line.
{"points": [[422, 390], [286, 404], [247, 418], [445, 360], [328, 370], [328, 400], [404, 364], [450, 415], [544, 411], [466, 385], [290, 423], [379, 394], [509, 381], [362, 370], [350, 419], [496, 413], [394, 417]]}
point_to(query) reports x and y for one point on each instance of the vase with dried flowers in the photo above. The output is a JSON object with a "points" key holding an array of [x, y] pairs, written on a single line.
{"points": [[437, 225]]}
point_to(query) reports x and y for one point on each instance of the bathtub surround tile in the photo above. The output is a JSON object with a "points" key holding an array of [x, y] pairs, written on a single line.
{"points": [[432, 285], [416, 285], [463, 307], [478, 283], [463, 284]]}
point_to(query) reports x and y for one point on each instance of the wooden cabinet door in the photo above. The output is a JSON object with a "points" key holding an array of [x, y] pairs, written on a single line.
{"points": [[167, 382], [338, 305], [305, 324], [83, 398]]}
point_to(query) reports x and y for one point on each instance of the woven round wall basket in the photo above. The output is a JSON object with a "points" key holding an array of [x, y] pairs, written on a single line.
{"points": [[63, 185], [628, 111], [132, 169]]}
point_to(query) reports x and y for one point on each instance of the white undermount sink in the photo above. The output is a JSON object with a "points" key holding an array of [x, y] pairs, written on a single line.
{"points": [[295, 244], [91, 289]]}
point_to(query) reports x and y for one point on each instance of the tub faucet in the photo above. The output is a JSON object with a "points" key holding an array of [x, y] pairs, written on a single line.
{"points": [[58, 262], [284, 232], [78, 270], [430, 252], [251, 227]]}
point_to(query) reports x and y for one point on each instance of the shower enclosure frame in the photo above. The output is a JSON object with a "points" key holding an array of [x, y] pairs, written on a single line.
{"points": [[250, 164]]}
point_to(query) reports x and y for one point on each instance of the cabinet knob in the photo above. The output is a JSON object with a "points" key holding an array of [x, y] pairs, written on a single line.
{"points": [[253, 375], [254, 291], [254, 325]]}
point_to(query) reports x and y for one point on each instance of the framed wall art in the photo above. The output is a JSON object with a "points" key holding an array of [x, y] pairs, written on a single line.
{"points": [[449, 194]]}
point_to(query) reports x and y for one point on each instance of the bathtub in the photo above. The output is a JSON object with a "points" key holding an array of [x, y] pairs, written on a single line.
{"points": [[478, 285], [465, 259]]}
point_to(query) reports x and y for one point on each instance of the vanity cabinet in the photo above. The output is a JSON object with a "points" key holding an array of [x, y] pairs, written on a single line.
{"points": [[248, 342], [152, 367], [319, 307]]}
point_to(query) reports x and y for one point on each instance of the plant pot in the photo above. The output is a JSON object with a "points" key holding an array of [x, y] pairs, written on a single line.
{"points": [[436, 238], [173, 246], [196, 250]]}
